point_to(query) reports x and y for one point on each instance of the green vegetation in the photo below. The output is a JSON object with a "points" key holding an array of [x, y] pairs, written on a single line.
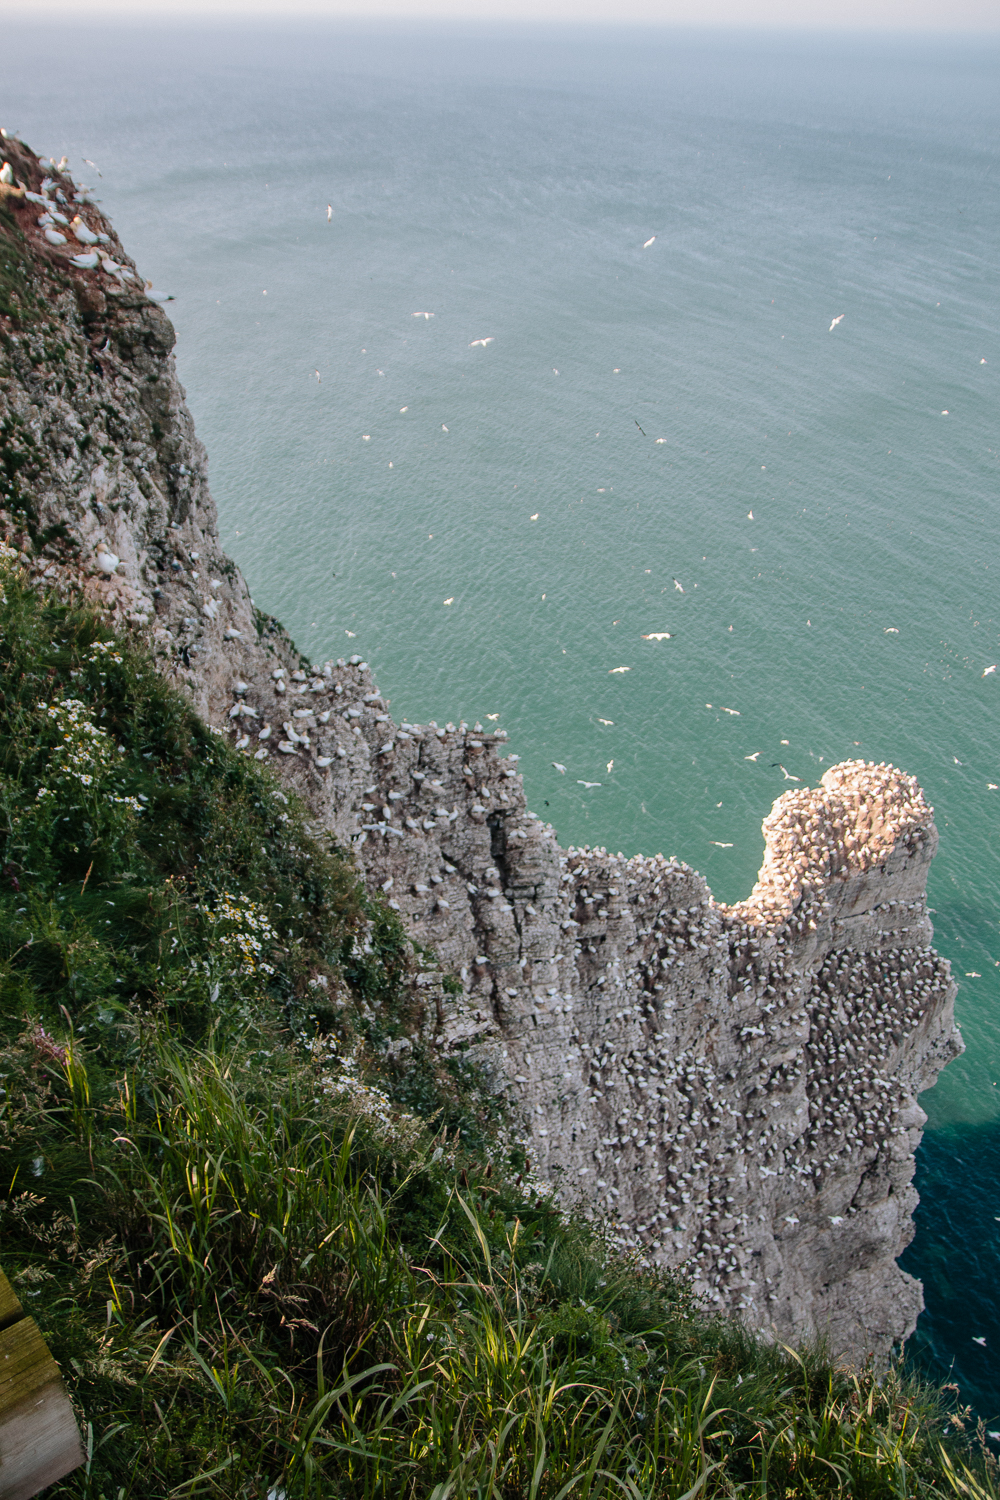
{"points": [[273, 1264]]}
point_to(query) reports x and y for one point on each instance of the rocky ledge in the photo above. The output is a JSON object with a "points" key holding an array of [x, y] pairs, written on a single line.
{"points": [[737, 1086]]}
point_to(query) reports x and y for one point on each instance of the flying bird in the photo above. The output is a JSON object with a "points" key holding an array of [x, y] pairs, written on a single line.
{"points": [[659, 635], [989, 670], [559, 768], [604, 721], [610, 764], [839, 319], [678, 587], [752, 757], [612, 670], [451, 600], [749, 515], [480, 343], [637, 424], [93, 164], [319, 378], [587, 783], [718, 845], [649, 242], [493, 716], [329, 212], [734, 711], [788, 775], [535, 516], [979, 1341], [422, 315]]}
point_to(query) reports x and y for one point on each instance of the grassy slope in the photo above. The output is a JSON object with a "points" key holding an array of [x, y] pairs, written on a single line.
{"points": [[261, 1272]]}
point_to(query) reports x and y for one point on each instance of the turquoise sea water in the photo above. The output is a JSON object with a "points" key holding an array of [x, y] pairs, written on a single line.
{"points": [[507, 182]]}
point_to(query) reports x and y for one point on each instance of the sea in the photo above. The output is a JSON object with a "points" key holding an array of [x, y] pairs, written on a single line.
{"points": [[634, 390]]}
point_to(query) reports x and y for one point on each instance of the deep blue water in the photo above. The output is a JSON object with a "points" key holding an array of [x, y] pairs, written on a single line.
{"points": [[507, 181]]}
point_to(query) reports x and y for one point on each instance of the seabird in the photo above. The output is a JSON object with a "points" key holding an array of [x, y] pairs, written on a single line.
{"points": [[587, 783], [838, 319], [610, 764], [788, 774], [718, 845], [649, 242], [604, 721], [107, 561], [480, 343], [989, 670], [329, 212], [559, 768], [613, 670], [753, 756], [422, 315], [678, 587]]}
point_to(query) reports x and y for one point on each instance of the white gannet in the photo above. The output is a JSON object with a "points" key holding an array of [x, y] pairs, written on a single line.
{"points": [[480, 343], [421, 315], [329, 212], [559, 768], [604, 721], [107, 561], [587, 783], [613, 670], [839, 319], [678, 587], [989, 670], [658, 635], [753, 756], [650, 241]]}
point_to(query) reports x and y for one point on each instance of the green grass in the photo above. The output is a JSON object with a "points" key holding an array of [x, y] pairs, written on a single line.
{"points": [[270, 1263]]}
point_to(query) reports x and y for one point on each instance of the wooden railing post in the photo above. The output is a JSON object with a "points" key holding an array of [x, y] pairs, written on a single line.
{"points": [[39, 1438]]}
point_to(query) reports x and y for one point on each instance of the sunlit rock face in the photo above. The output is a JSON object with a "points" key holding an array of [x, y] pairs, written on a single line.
{"points": [[735, 1085]]}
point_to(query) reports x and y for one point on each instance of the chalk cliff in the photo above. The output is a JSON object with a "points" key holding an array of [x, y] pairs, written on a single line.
{"points": [[738, 1084]]}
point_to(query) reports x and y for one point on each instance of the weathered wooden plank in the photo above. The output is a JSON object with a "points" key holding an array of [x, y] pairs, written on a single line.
{"points": [[10, 1308], [39, 1438]]}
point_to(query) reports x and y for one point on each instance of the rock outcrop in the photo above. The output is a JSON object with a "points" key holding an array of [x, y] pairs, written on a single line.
{"points": [[737, 1085]]}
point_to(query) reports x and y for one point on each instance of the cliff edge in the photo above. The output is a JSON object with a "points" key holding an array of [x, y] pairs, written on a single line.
{"points": [[736, 1085]]}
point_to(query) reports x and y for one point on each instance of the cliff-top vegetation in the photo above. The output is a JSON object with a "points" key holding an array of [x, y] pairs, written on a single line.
{"points": [[270, 1261]]}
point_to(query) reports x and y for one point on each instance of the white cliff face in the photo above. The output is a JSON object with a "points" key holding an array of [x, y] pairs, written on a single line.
{"points": [[737, 1085]]}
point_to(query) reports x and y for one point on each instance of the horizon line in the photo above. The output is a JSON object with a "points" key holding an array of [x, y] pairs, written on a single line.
{"points": [[455, 12]]}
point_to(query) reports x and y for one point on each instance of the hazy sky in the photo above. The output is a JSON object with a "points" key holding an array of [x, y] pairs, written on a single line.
{"points": [[903, 15]]}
